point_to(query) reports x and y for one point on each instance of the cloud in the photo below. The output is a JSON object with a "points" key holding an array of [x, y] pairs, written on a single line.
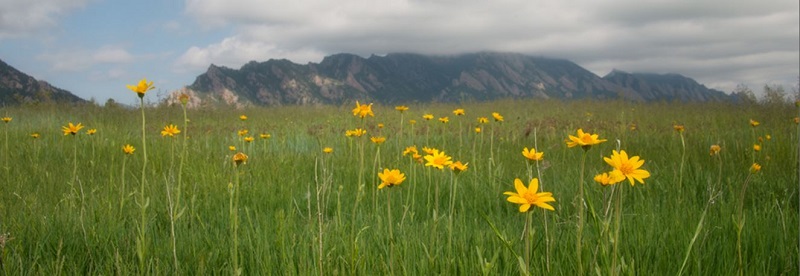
{"points": [[21, 18], [79, 60], [234, 52], [716, 41]]}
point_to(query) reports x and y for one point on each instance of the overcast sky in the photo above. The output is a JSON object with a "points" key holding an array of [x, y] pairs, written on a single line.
{"points": [[95, 47]]}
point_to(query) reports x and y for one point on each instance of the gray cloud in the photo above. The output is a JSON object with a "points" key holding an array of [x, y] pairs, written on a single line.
{"points": [[720, 43]]}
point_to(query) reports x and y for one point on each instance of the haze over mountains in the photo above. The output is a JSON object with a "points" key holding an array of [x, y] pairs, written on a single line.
{"points": [[399, 78]]}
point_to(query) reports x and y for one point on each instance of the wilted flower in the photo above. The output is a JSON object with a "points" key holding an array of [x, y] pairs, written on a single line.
{"points": [[183, 98], [362, 110], [459, 112], [142, 87], [527, 196], [715, 149], [239, 158], [71, 129], [170, 130], [532, 154], [633, 127], [497, 117], [679, 128], [627, 167], [412, 121], [390, 178], [128, 149], [796, 120], [585, 140]]}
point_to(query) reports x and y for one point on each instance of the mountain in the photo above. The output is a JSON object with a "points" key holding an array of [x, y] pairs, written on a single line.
{"points": [[669, 87], [403, 77], [17, 87]]}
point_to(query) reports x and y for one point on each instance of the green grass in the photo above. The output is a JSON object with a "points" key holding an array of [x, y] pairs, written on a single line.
{"points": [[278, 225]]}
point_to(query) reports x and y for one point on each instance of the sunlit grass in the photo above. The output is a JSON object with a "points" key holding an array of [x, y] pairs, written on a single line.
{"points": [[287, 224]]}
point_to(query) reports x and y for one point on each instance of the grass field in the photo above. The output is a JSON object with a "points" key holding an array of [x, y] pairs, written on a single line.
{"points": [[72, 204]]}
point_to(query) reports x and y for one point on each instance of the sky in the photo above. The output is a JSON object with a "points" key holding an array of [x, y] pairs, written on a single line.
{"points": [[93, 48]]}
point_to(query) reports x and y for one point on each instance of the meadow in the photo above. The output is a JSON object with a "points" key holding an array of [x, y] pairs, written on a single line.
{"points": [[78, 204]]}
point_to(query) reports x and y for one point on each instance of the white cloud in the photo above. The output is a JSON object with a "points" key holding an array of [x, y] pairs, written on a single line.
{"points": [[81, 59], [234, 52], [715, 41], [21, 18]]}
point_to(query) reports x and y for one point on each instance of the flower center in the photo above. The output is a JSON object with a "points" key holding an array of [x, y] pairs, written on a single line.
{"points": [[626, 168], [530, 197]]}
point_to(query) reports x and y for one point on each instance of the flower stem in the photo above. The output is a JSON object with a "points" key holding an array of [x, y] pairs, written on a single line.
{"points": [[141, 243], [579, 238], [617, 226], [683, 159], [391, 233]]}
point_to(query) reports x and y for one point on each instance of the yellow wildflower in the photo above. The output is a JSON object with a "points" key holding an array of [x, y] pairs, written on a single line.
{"points": [[457, 167], [459, 112], [427, 117], [128, 149], [630, 168], [585, 140], [362, 110], [755, 168], [527, 196], [239, 158], [532, 154], [142, 87], [401, 108], [497, 117], [170, 130], [438, 160], [71, 129], [390, 178], [378, 139], [715, 149]]}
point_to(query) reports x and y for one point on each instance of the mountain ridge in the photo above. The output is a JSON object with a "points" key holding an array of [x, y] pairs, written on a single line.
{"points": [[17, 87], [407, 77]]}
